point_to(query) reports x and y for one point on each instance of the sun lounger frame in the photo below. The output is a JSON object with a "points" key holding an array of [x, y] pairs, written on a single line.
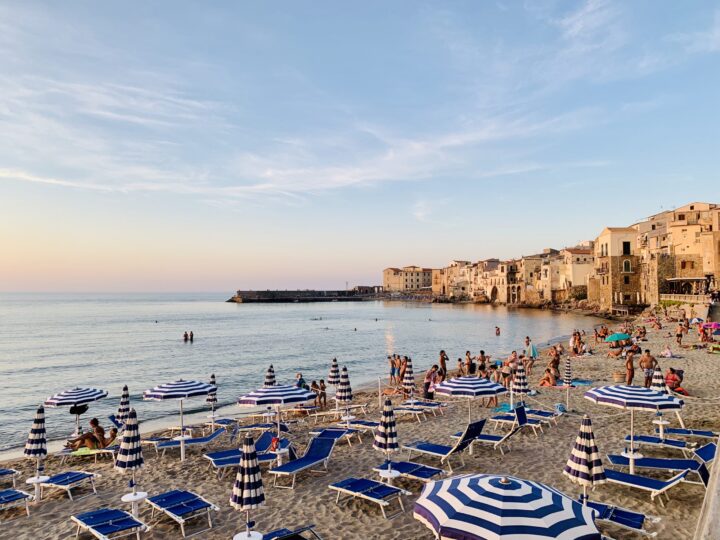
{"points": [[69, 487], [654, 493], [308, 467], [612, 508], [350, 433], [22, 501], [382, 503], [12, 474], [135, 531], [182, 520]]}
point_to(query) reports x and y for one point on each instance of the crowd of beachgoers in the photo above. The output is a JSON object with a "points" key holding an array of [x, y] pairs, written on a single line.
{"points": [[679, 349]]}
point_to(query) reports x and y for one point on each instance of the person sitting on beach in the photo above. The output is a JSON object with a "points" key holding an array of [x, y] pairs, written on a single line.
{"points": [[673, 380], [95, 438], [667, 352], [615, 353], [322, 395], [300, 382], [657, 325], [548, 379]]}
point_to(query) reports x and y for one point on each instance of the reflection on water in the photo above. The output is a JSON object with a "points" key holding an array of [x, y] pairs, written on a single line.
{"points": [[54, 342]]}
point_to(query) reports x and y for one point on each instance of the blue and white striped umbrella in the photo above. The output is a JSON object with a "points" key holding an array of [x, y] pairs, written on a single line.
{"points": [[490, 507], [130, 456], [519, 383], [211, 398], [408, 381], [470, 387], [179, 390], [334, 375], [73, 397], [247, 493], [124, 407], [567, 374], [386, 439], [633, 398], [658, 381], [343, 394], [270, 377], [276, 395], [585, 466], [36, 445]]}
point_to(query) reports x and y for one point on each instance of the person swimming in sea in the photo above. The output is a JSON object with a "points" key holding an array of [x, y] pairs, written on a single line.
{"points": [[497, 330]]}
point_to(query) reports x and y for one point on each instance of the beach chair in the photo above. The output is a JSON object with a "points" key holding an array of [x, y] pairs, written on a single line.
{"points": [[9, 474], [318, 452], [434, 407], [370, 490], [170, 444], [12, 498], [67, 481], [498, 442], [683, 432], [702, 457], [66, 453], [263, 426], [651, 440], [518, 418], [302, 533], [115, 422], [445, 452], [226, 423], [622, 517], [547, 417], [182, 506], [108, 523], [225, 459], [417, 412], [412, 471], [360, 425], [337, 434], [657, 488]]}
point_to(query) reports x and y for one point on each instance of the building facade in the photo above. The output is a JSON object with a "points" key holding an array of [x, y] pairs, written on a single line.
{"points": [[407, 279], [615, 278]]}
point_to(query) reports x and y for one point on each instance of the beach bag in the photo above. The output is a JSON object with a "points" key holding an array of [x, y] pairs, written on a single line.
{"points": [[560, 408]]}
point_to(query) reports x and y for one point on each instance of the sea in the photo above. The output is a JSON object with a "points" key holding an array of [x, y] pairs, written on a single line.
{"points": [[53, 342]]}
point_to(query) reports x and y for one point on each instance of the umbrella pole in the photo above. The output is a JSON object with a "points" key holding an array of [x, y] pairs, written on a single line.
{"points": [[182, 433], [247, 522], [277, 412], [567, 398], [379, 393], [632, 441], [585, 495], [133, 482], [77, 426], [469, 410]]}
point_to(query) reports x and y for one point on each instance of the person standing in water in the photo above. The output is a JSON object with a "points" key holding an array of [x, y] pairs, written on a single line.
{"points": [[497, 330], [185, 336], [192, 337]]}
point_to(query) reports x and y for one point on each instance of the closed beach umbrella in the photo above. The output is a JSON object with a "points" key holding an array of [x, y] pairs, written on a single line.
{"points": [[567, 381], [211, 398], [658, 381], [408, 382], [343, 393], [36, 445], [471, 388], [519, 383], [633, 398], [124, 407], [247, 493], [130, 456], [618, 336], [179, 390], [276, 395], [334, 375], [491, 507], [386, 433], [269, 377], [75, 397], [585, 466]]}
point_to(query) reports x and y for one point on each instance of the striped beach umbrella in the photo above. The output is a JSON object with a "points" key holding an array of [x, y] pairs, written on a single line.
{"points": [[408, 382], [124, 407], [73, 397], [471, 388], [585, 466], [36, 445], [179, 390], [386, 433], [130, 456], [269, 377], [633, 398], [276, 395], [211, 398], [247, 493], [567, 381], [334, 375], [491, 507], [658, 381], [343, 393], [519, 383]]}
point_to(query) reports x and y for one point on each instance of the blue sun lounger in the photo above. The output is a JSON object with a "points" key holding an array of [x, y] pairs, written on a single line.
{"points": [[115, 422], [518, 418], [10, 474], [444, 452], [683, 432], [622, 517], [317, 453], [417, 412], [109, 452], [360, 425], [263, 426], [337, 434], [225, 459], [67, 481], [182, 506], [657, 488], [651, 440], [430, 406], [170, 444], [412, 471], [12, 498], [370, 490], [545, 416], [107, 523], [303, 533]]}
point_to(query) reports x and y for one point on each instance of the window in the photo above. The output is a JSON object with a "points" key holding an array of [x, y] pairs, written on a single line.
{"points": [[627, 266], [626, 280], [626, 248], [683, 264], [692, 207], [681, 217], [653, 227]]}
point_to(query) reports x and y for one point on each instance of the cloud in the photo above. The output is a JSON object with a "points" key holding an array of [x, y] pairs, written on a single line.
{"points": [[707, 41]]}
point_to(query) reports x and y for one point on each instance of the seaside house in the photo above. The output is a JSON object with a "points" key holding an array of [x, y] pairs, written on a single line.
{"points": [[407, 279], [614, 282]]}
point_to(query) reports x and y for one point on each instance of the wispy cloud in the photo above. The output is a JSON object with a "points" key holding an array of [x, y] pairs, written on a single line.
{"points": [[705, 41]]}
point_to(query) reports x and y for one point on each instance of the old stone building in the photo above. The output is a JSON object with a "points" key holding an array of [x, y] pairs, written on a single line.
{"points": [[407, 279], [615, 279]]}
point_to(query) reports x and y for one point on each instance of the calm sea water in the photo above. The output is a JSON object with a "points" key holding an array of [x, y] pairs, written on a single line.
{"points": [[52, 342]]}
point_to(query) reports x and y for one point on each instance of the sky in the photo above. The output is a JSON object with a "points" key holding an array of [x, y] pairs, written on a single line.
{"points": [[214, 146]]}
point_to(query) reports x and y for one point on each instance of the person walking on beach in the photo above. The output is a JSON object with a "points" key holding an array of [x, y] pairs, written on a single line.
{"points": [[629, 369], [647, 364], [391, 363], [531, 355], [429, 382], [679, 334]]}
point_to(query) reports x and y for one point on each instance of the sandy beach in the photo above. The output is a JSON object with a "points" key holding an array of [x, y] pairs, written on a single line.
{"points": [[540, 459]]}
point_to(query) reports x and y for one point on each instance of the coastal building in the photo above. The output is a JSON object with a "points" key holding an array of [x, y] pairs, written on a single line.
{"points": [[458, 279], [407, 279], [615, 278]]}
